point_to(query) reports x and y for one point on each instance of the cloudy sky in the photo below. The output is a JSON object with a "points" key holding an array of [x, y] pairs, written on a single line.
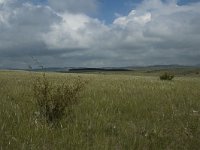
{"points": [[99, 33]]}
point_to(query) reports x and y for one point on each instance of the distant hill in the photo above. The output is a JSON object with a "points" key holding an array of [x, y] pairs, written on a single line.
{"points": [[147, 69], [96, 69]]}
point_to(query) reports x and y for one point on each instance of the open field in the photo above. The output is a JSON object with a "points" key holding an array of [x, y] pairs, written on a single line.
{"points": [[115, 112]]}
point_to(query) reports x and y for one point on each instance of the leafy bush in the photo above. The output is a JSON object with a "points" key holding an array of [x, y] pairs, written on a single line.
{"points": [[54, 99], [166, 76]]}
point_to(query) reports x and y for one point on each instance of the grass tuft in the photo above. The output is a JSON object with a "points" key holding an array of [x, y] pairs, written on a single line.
{"points": [[55, 100], [166, 76]]}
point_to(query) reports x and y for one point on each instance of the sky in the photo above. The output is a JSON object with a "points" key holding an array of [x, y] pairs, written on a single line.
{"points": [[99, 33]]}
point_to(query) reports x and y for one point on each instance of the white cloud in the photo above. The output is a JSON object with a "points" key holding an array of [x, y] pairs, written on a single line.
{"points": [[2, 1], [133, 17], [74, 31], [153, 33]]}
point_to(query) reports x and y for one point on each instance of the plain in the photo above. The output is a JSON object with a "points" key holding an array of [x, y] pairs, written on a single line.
{"points": [[116, 111]]}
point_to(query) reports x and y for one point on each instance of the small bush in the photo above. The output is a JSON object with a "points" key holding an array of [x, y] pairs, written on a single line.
{"points": [[54, 99], [166, 76]]}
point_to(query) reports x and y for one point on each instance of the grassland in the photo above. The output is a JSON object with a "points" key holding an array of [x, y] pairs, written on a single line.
{"points": [[115, 112]]}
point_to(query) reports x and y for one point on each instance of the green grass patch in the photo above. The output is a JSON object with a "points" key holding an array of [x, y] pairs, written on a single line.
{"points": [[114, 112]]}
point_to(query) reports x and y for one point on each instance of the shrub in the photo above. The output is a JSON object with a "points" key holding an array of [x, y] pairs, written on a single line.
{"points": [[54, 99], [166, 76]]}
